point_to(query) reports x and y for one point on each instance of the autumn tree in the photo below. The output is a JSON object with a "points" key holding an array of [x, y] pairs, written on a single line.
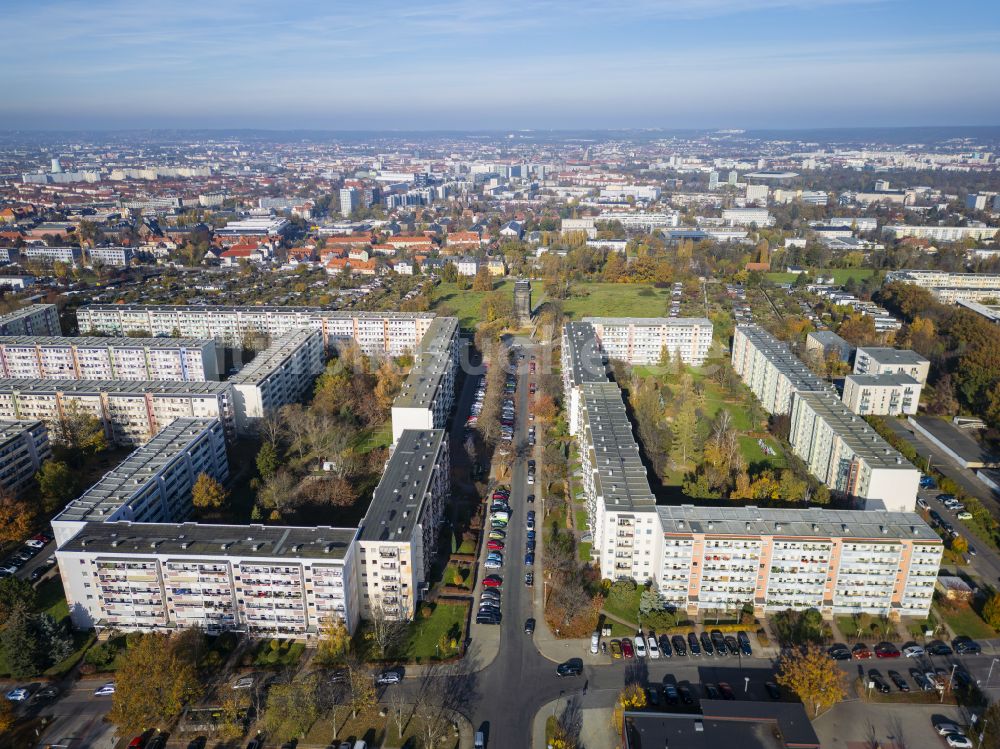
{"points": [[632, 697], [14, 593], [959, 545], [208, 494], [16, 517], [334, 639], [57, 482], [268, 460], [991, 611], [385, 628], [813, 676], [293, 707], [361, 696], [156, 679], [79, 433], [685, 432], [483, 280], [280, 493]]}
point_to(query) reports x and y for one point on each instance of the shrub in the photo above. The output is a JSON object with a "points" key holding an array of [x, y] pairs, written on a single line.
{"points": [[275, 644], [88, 668]]}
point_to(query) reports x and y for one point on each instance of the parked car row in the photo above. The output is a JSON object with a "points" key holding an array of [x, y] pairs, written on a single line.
{"points": [[710, 643], [926, 680], [29, 551], [860, 651]]}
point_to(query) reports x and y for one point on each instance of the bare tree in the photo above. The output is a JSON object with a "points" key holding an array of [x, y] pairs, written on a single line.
{"points": [[398, 709], [386, 628]]}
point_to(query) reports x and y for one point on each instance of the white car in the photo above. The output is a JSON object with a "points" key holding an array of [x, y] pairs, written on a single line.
{"points": [[914, 651], [958, 741], [17, 695], [640, 647], [654, 650], [243, 683], [105, 690]]}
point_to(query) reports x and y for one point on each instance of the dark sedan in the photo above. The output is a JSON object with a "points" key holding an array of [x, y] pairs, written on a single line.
{"points": [[572, 667]]}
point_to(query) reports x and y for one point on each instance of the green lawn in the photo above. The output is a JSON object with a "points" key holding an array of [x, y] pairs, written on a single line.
{"points": [[626, 608], [425, 634], [616, 300], [840, 275], [467, 546], [372, 439], [967, 622], [580, 517], [583, 550], [465, 304], [753, 454]]}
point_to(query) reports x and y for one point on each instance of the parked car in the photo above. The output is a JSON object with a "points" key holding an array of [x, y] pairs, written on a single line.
{"points": [[665, 650], [732, 646], [945, 728], [616, 649], [244, 682], [966, 646], [652, 647], [389, 676], [670, 692], [680, 647], [529, 627], [711, 691], [860, 652], [876, 678], [913, 651], [105, 689], [899, 681], [921, 680], [706, 644], [640, 646], [839, 653], [492, 581], [772, 690], [744, 642], [936, 647], [693, 645], [886, 650], [20, 694], [572, 667], [958, 741], [685, 692], [627, 650]]}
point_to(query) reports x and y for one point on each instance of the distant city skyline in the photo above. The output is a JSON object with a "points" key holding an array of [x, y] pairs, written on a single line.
{"points": [[453, 65]]}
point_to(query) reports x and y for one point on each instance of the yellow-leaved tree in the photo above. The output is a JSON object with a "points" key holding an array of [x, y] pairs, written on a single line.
{"points": [[632, 697], [813, 676]]}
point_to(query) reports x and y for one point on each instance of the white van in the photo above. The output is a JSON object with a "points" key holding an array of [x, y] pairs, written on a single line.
{"points": [[595, 640], [360, 744]]}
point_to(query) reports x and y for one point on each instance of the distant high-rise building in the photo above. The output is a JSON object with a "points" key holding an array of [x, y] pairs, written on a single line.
{"points": [[881, 185], [713, 180], [56, 166], [350, 199], [733, 177], [976, 202]]}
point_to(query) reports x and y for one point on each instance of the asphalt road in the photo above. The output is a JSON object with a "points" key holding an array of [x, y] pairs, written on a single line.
{"points": [[79, 716]]}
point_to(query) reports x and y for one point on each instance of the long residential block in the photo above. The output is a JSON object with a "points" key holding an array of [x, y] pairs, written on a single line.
{"points": [[23, 447], [86, 358], [428, 393], [130, 412], [398, 536], [384, 333], [949, 287], [641, 340], [262, 580], [278, 375], [844, 452], [153, 484], [770, 369], [35, 319], [582, 362]]}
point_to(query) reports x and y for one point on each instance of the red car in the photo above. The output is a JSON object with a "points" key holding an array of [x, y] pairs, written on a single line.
{"points": [[886, 650], [627, 650], [860, 652], [492, 581], [501, 494], [494, 545]]}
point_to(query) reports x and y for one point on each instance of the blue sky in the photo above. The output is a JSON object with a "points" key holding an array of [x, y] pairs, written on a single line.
{"points": [[452, 64]]}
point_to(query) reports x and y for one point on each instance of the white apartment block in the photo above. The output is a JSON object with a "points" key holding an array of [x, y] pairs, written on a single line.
{"points": [[68, 255], [428, 393], [467, 266], [641, 340], [845, 453], [23, 447], [279, 374], [941, 233], [36, 319], [586, 225], [874, 360], [839, 562], [826, 343], [153, 484], [624, 192], [86, 358], [115, 257], [398, 536], [131, 412], [708, 559], [951, 288], [377, 333], [770, 369], [882, 394], [747, 217], [641, 220], [261, 580]]}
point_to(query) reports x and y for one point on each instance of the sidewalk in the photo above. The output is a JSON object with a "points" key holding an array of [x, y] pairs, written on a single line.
{"points": [[594, 722]]}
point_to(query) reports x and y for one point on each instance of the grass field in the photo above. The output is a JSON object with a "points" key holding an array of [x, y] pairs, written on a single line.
{"points": [[753, 454], [840, 275], [425, 634], [616, 300], [464, 303], [967, 622]]}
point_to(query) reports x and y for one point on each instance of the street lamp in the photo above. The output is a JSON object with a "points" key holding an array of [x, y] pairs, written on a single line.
{"points": [[950, 679], [746, 684], [990, 674]]}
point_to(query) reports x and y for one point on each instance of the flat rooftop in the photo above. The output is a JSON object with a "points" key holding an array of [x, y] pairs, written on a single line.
{"points": [[652, 322], [327, 312], [31, 309], [281, 543], [748, 725], [957, 440], [886, 355], [889, 379], [94, 387], [13, 428], [621, 476], [100, 342], [434, 357], [282, 349], [782, 358], [117, 487], [582, 354], [399, 496], [806, 522], [856, 433], [828, 337]]}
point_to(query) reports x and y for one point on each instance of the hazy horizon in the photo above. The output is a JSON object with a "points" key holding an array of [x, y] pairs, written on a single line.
{"points": [[459, 66]]}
